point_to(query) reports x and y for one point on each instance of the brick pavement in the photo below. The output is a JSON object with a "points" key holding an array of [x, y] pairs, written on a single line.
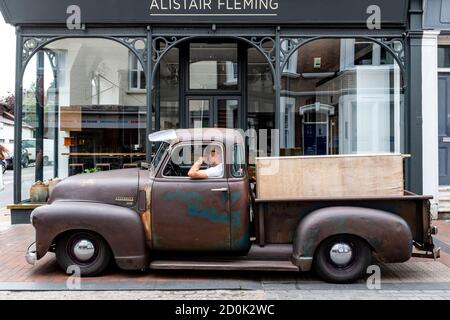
{"points": [[5, 219], [15, 274]]}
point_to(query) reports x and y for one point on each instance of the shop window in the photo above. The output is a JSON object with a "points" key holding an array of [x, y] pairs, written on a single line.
{"points": [[290, 68], [364, 53], [81, 114], [444, 57], [137, 74], [353, 105], [238, 162], [167, 90], [232, 73], [213, 66], [260, 106], [287, 117]]}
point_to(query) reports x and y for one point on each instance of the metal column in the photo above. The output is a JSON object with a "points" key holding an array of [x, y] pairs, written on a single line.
{"points": [[277, 82], [414, 167], [40, 101], [18, 120], [149, 127]]}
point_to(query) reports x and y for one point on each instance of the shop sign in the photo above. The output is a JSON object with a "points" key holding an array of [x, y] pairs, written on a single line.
{"points": [[204, 11]]}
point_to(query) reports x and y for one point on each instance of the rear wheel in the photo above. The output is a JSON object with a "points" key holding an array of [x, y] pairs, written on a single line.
{"points": [[84, 249], [342, 259]]}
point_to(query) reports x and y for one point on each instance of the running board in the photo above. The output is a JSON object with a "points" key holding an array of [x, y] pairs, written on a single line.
{"points": [[250, 265]]}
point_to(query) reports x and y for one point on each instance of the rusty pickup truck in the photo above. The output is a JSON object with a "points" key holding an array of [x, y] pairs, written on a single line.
{"points": [[158, 217]]}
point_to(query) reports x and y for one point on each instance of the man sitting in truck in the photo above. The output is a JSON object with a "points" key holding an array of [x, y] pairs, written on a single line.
{"points": [[215, 170]]}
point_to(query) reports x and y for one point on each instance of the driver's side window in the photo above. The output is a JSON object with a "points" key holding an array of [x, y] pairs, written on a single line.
{"points": [[183, 157]]}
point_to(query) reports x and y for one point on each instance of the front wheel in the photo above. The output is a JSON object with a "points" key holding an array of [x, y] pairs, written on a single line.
{"points": [[342, 259], [83, 249]]}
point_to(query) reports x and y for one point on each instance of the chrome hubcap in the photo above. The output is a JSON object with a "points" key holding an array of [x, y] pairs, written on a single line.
{"points": [[84, 250], [341, 254]]}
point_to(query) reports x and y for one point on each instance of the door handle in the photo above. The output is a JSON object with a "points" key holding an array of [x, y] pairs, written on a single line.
{"points": [[220, 190], [446, 139]]}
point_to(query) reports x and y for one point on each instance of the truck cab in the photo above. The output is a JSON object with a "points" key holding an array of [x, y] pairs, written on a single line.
{"points": [[207, 215]]}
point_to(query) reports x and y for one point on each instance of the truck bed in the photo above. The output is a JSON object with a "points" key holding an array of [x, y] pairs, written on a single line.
{"points": [[276, 219]]}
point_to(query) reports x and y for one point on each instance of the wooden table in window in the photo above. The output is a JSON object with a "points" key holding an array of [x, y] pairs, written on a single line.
{"points": [[105, 155]]}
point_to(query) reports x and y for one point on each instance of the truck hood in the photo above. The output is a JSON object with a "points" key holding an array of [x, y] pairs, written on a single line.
{"points": [[116, 187]]}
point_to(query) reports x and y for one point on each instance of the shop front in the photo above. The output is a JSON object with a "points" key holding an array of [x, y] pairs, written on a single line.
{"points": [[312, 80]]}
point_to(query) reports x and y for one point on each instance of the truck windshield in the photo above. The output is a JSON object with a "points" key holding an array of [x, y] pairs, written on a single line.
{"points": [[158, 157]]}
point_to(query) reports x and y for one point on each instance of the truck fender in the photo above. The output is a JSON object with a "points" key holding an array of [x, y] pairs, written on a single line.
{"points": [[121, 228], [388, 234]]}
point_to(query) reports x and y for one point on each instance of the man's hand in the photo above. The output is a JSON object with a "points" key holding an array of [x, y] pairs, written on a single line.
{"points": [[195, 172]]}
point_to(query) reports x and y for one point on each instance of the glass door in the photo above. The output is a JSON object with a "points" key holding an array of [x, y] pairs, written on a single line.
{"points": [[227, 112], [199, 112], [214, 112]]}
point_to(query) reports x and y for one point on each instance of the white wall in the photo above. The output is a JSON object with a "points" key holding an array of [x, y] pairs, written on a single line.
{"points": [[6, 132], [430, 116]]}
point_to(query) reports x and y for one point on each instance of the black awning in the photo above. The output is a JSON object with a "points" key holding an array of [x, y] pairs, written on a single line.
{"points": [[331, 12]]}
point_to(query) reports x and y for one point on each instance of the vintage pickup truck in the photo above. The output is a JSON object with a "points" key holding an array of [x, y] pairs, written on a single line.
{"points": [[159, 218]]}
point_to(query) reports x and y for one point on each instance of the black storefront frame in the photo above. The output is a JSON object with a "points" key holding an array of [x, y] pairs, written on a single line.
{"points": [[32, 39], [241, 92]]}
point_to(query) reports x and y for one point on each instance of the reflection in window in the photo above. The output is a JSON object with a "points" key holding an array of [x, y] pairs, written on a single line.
{"points": [[238, 161], [347, 99], [364, 53], [199, 113], [168, 87], [290, 67], [260, 103], [78, 111], [137, 74], [213, 66], [444, 57]]}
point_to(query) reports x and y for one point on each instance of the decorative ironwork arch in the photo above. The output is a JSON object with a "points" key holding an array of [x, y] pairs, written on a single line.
{"points": [[395, 46], [31, 45], [260, 43]]}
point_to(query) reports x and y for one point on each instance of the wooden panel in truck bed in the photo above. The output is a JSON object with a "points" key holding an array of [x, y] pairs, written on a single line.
{"points": [[330, 176]]}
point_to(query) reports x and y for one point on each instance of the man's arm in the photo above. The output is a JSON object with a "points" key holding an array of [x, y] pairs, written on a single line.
{"points": [[195, 172]]}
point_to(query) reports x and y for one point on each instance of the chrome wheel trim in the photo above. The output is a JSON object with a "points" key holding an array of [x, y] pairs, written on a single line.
{"points": [[83, 250], [341, 254]]}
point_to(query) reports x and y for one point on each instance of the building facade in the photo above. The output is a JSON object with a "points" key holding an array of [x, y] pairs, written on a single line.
{"points": [[94, 79], [436, 101], [6, 127]]}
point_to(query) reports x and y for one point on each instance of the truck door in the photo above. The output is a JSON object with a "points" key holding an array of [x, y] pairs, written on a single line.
{"points": [[189, 215]]}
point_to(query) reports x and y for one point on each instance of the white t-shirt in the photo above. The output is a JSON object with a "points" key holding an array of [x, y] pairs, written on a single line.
{"points": [[215, 172]]}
